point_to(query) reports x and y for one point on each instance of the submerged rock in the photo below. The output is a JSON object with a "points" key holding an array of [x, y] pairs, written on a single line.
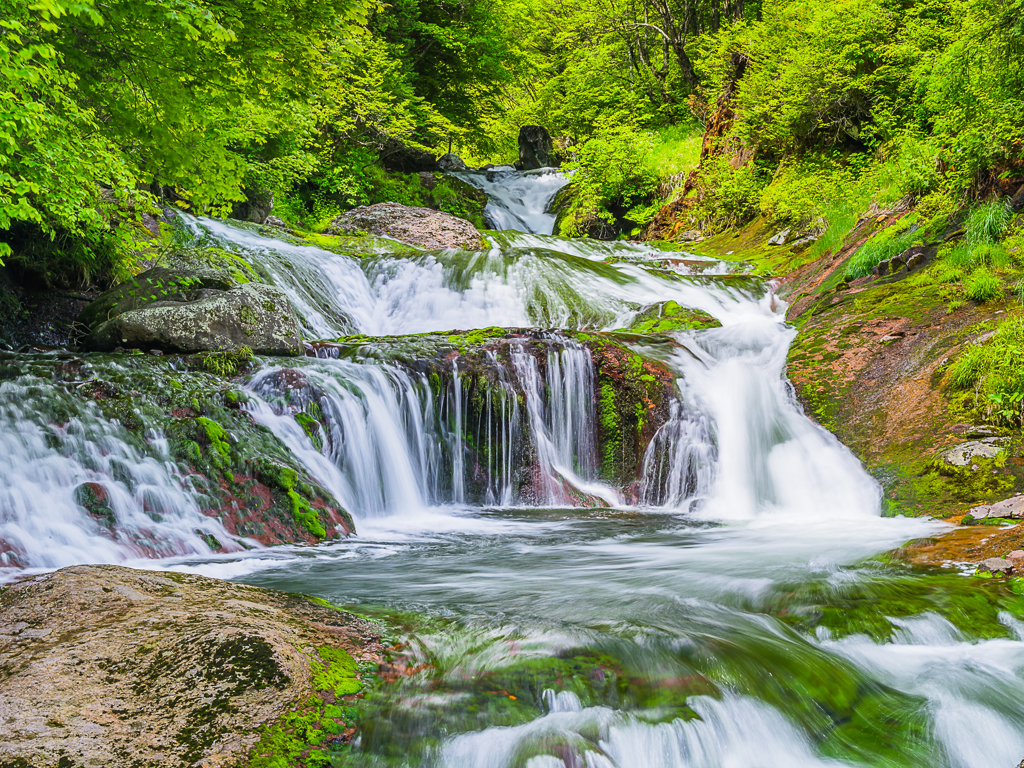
{"points": [[423, 227], [192, 311], [102, 665]]}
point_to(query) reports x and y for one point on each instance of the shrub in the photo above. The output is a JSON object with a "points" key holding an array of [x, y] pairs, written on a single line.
{"points": [[995, 371]]}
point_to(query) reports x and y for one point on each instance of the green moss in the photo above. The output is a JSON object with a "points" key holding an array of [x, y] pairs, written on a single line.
{"points": [[669, 317], [228, 362], [469, 340], [306, 515], [217, 439], [611, 428], [300, 737], [311, 427]]}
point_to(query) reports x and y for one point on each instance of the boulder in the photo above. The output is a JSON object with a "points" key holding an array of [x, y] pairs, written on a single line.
{"points": [[423, 227], [1008, 509], [192, 311], [257, 206], [275, 221], [536, 149], [452, 162], [964, 454], [781, 237], [1016, 559], [399, 158], [105, 666]]}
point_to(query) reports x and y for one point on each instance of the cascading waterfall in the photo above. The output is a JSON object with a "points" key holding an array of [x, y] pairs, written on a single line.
{"points": [[728, 620], [77, 488], [394, 445], [518, 201]]}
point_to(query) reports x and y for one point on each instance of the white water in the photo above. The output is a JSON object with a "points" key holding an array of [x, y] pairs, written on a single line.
{"points": [[518, 201]]}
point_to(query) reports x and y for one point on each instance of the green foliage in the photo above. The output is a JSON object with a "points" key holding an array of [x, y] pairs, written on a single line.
{"points": [[612, 168], [228, 362], [890, 242], [987, 222], [995, 372], [983, 285]]}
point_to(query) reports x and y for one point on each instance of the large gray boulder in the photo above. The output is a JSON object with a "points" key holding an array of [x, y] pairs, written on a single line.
{"points": [[257, 206], [536, 149], [192, 311], [423, 227]]}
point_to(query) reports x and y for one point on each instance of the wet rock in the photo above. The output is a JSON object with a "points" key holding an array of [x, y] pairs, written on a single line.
{"points": [[452, 162], [803, 243], [780, 238], [275, 221], [995, 565], [257, 206], [690, 236], [195, 319], [1016, 559], [107, 666], [423, 227], [1008, 509], [914, 257], [964, 454], [536, 148]]}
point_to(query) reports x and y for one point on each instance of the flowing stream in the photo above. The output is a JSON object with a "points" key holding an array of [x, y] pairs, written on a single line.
{"points": [[736, 617]]}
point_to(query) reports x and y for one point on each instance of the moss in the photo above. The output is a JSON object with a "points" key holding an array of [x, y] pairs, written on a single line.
{"points": [[470, 340], [300, 737], [311, 427], [306, 516], [217, 439], [611, 429], [668, 317]]}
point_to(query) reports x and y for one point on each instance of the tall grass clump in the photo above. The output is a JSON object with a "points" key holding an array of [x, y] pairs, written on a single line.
{"points": [[995, 371], [884, 245], [987, 222], [983, 285]]}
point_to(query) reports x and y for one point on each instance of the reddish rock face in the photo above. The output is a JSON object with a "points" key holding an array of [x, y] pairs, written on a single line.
{"points": [[423, 227]]}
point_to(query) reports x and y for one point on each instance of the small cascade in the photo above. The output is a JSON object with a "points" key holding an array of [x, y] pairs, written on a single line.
{"points": [[77, 488], [518, 200], [396, 441], [679, 463]]}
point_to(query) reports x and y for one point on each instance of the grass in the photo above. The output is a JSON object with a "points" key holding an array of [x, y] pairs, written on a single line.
{"points": [[995, 371], [677, 150], [880, 247]]}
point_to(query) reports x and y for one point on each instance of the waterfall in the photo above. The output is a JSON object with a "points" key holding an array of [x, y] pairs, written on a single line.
{"points": [[398, 441], [77, 488], [518, 200]]}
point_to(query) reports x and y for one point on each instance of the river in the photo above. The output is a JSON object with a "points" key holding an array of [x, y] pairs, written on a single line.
{"points": [[739, 616]]}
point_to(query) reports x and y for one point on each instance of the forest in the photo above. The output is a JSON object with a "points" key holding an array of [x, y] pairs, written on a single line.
{"points": [[812, 111]]}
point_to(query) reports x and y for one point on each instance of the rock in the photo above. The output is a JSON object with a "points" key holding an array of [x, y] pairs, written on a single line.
{"points": [[995, 565], [107, 666], [689, 236], [963, 454], [192, 312], [914, 257], [803, 243], [1008, 509], [536, 149], [256, 207], [781, 237], [397, 157], [452, 162], [427, 180], [423, 227], [1016, 559], [274, 221]]}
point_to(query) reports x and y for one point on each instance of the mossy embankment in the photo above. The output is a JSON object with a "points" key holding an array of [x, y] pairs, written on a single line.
{"points": [[875, 360]]}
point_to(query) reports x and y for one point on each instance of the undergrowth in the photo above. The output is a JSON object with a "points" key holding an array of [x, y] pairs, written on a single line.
{"points": [[994, 372]]}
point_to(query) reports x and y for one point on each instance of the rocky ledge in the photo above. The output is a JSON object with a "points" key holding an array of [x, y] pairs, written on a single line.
{"points": [[106, 666]]}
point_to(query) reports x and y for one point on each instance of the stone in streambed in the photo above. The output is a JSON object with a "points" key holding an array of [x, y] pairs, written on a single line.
{"points": [[192, 311], [995, 566], [964, 454], [422, 227], [536, 148]]}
